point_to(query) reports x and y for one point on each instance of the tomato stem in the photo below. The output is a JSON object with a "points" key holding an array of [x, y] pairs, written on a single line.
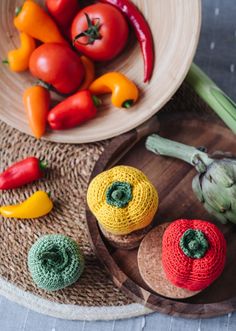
{"points": [[92, 33]]}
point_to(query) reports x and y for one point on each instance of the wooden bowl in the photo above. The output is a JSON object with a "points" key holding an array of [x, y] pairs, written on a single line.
{"points": [[175, 26], [172, 178]]}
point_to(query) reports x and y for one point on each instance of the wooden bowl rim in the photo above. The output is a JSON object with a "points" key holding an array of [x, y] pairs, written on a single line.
{"points": [[83, 136]]}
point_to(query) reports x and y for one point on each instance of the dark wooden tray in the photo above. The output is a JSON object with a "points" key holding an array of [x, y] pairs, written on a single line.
{"points": [[172, 178]]}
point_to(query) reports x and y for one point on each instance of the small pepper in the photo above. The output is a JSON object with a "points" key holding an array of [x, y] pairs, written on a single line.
{"points": [[37, 101], [18, 59], [89, 72], [73, 111], [34, 21], [142, 31], [37, 205], [22, 172], [124, 92], [63, 11]]}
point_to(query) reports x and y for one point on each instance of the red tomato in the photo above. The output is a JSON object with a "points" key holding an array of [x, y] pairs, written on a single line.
{"points": [[63, 11], [106, 32], [58, 65]]}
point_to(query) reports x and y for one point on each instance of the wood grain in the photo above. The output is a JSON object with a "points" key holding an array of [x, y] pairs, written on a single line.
{"points": [[175, 26], [172, 178]]}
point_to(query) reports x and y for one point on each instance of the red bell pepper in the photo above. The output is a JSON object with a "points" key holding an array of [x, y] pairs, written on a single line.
{"points": [[21, 173], [63, 12], [73, 111], [142, 31]]}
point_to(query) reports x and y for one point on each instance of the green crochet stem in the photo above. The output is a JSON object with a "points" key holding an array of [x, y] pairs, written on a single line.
{"points": [[213, 96], [194, 244], [119, 194], [55, 261]]}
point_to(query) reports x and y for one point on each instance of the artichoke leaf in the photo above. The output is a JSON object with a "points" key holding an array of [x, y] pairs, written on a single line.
{"points": [[219, 216], [216, 195], [222, 173], [197, 189], [231, 216]]}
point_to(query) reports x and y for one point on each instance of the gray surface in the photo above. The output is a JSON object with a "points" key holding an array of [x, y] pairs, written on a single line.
{"points": [[217, 56]]}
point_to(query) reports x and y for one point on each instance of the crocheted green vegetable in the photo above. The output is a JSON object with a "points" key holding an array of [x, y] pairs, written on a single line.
{"points": [[214, 186], [55, 261]]}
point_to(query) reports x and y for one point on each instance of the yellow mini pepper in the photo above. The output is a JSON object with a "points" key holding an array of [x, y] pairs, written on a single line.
{"points": [[124, 91], [18, 59], [34, 21], [37, 205]]}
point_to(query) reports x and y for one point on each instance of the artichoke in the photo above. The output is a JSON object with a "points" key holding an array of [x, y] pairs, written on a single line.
{"points": [[215, 183]]}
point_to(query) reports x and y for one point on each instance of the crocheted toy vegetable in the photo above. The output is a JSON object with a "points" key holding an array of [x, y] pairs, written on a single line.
{"points": [[193, 253], [214, 186], [122, 199], [37, 205], [55, 261]]}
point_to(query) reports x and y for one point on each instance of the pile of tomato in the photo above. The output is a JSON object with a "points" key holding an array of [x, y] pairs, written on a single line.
{"points": [[59, 45]]}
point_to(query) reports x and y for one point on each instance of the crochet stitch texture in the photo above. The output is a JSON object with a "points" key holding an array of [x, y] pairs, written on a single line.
{"points": [[139, 209], [193, 243], [191, 273], [55, 261]]}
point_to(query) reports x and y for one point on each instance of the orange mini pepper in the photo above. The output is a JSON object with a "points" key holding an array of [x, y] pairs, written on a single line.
{"points": [[34, 21], [124, 91], [89, 72], [37, 102], [18, 59]]}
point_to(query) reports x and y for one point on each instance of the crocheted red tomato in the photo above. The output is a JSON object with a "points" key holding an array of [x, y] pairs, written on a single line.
{"points": [[193, 253]]}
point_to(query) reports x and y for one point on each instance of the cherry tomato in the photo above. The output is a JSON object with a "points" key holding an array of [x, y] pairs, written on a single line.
{"points": [[57, 65], [99, 31]]}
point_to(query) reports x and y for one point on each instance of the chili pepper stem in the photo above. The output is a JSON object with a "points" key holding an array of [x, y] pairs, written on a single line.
{"points": [[97, 102], [40, 82], [18, 10], [5, 61], [166, 147], [43, 164], [127, 104]]}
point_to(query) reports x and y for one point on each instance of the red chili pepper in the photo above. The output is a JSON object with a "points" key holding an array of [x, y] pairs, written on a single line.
{"points": [[63, 11], [142, 31], [21, 173], [73, 111]]}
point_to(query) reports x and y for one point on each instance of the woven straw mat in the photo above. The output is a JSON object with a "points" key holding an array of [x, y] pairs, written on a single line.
{"points": [[70, 167]]}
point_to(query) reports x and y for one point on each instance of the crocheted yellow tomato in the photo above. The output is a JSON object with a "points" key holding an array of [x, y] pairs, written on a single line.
{"points": [[122, 199]]}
